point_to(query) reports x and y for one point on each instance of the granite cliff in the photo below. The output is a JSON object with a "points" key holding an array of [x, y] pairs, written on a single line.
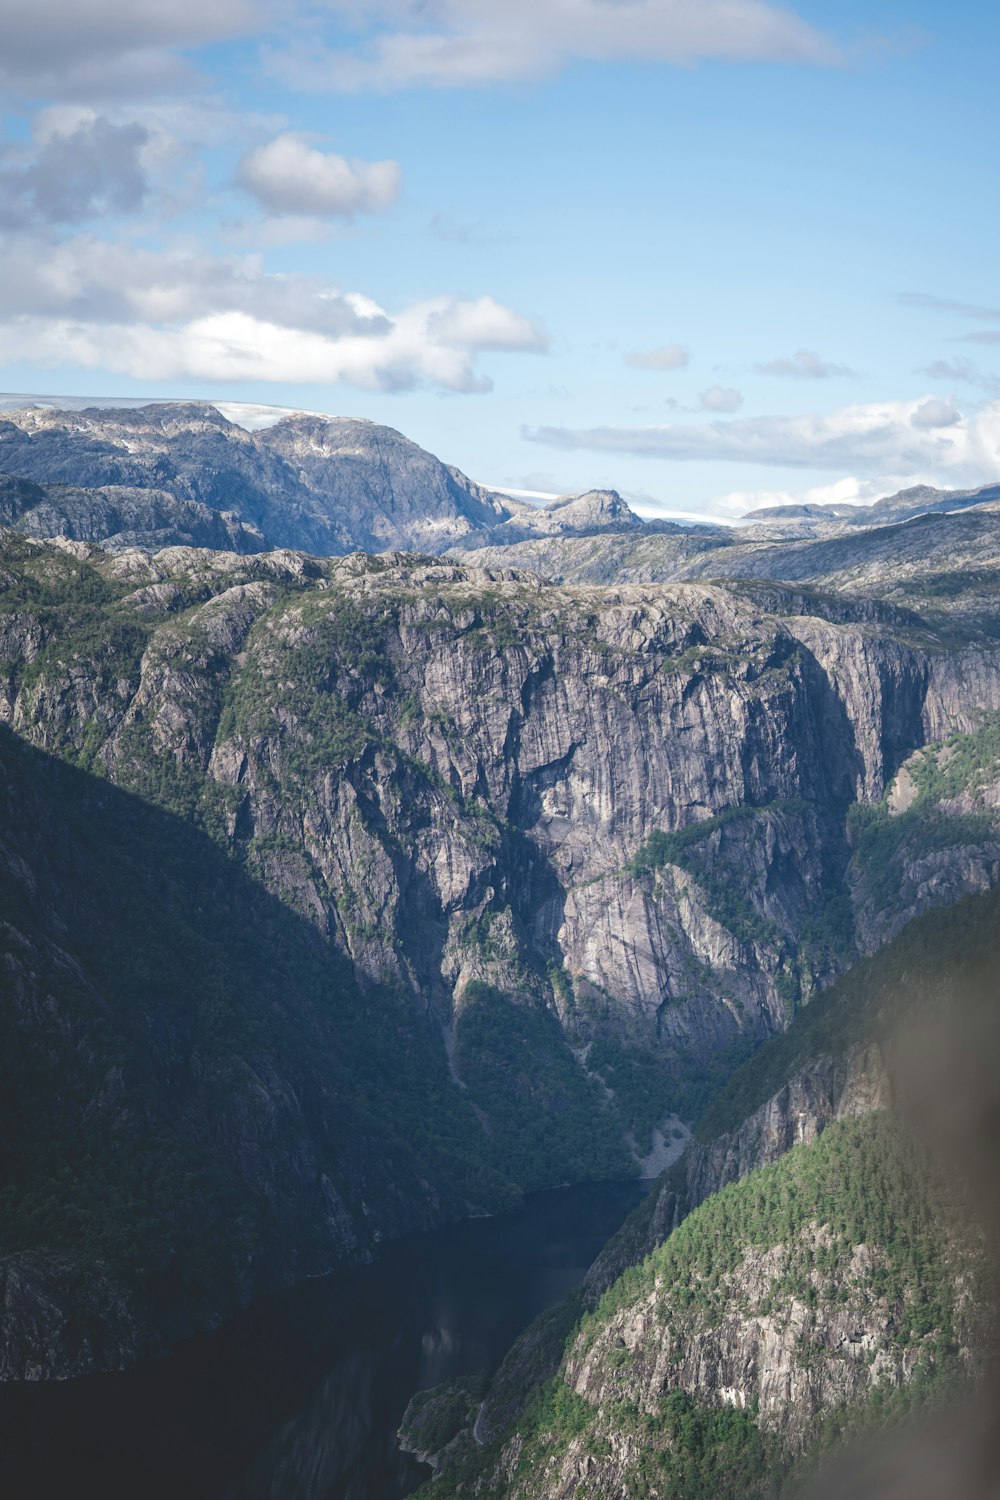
{"points": [[531, 865]]}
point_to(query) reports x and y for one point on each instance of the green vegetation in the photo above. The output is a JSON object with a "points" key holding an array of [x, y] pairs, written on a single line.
{"points": [[862, 1184], [158, 982], [700, 1452], [865, 1184], [824, 934], [959, 764], [544, 1113], [641, 1077], [435, 1416], [325, 653], [883, 840], [958, 767]]}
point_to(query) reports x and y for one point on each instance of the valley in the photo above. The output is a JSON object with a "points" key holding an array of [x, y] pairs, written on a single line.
{"points": [[377, 851]]}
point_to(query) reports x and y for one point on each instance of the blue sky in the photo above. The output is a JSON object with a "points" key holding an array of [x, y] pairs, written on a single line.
{"points": [[711, 252]]}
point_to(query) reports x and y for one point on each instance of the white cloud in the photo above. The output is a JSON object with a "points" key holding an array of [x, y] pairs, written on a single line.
{"points": [[721, 398], [288, 176], [878, 438], [466, 43], [161, 315], [484, 324], [235, 346], [666, 357], [804, 364], [933, 413]]}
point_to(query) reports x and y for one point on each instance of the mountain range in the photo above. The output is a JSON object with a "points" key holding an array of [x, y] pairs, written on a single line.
{"points": [[378, 848]]}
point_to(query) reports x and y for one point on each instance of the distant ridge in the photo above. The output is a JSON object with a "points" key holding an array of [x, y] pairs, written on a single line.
{"points": [[249, 478], [919, 499]]}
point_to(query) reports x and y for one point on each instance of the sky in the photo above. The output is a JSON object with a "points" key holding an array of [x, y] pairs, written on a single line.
{"points": [[712, 253]]}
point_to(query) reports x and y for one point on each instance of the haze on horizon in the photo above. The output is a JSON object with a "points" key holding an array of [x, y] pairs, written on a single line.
{"points": [[715, 255]]}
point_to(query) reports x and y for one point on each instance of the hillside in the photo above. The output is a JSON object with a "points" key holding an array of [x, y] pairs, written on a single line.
{"points": [[811, 1268], [817, 1294]]}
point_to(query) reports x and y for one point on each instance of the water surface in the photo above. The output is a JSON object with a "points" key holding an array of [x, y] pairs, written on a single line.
{"points": [[299, 1397]]}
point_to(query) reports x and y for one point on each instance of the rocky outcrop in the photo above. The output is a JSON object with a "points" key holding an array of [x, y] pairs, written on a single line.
{"points": [[817, 1289], [61, 1319], [756, 1357]]}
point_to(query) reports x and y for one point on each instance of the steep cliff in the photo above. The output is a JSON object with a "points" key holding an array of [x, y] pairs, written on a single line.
{"points": [[822, 1284], [584, 844]]}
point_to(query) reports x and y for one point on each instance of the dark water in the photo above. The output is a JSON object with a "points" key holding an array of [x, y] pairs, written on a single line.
{"points": [[299, 1397]]}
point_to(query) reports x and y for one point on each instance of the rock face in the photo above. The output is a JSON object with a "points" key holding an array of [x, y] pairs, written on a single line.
{"points": [[627, 807], [568, 845]]}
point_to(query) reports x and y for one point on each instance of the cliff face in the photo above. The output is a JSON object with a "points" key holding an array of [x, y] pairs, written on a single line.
{"points": [[573, 844], [198, 1104], [626, 809]]}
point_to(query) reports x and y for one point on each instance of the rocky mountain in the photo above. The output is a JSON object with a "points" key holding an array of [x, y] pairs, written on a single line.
{"points": [[532, 866], [182, 474], [920, 499], [324, 485]]}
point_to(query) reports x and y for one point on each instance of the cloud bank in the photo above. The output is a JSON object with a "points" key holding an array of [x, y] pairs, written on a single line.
{"points": [[82, 49], [163, 315], [926, 435], [468, 43]]}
